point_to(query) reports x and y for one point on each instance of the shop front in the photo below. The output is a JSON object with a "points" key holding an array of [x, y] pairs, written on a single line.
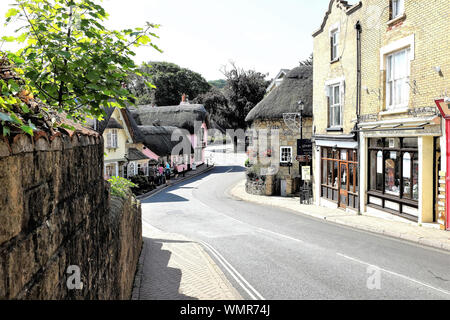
{"points": [[400, 166], [339, 181], [337, 163], [393, 175]]}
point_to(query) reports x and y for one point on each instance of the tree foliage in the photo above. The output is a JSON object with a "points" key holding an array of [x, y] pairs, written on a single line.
{"points": [[244, 90], [216, 104], [70, 60], [219, 84], [170, 82]]}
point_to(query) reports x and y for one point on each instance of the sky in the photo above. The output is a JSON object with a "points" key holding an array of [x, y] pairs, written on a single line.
{"points": [[205, 35]]}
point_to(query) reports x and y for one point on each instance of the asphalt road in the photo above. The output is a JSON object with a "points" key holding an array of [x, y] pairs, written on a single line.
{"points": [[270, 253]]}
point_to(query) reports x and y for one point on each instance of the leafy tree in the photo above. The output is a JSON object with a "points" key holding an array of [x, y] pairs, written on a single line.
{"points": [[244, 90], [219, 84], [170, 82], [216, 104], [307, 62], [71, 61]]}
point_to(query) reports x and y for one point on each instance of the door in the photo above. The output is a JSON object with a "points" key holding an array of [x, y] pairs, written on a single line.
{"points": [[343, 185], [437, 166]]}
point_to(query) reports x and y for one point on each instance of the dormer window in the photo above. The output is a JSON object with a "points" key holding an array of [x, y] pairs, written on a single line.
{"points": [[397, 8], [111, 139]]}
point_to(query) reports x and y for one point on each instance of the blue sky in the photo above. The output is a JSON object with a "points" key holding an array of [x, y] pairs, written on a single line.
{"points": [[204, 35]]}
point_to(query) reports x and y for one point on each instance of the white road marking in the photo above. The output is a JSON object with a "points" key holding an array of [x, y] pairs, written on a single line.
{"points": [[251, 291], [395, 274]]}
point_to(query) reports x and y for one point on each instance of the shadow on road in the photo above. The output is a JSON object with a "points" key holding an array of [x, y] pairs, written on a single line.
{"points": [[159, 281], [166, 196]]}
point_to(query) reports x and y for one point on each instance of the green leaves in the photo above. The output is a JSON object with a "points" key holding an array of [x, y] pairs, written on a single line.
{"points": [[11, 12], [71, 61]]}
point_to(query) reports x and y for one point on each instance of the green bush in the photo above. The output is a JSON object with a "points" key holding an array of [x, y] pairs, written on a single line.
{"points": [[121, 187]]}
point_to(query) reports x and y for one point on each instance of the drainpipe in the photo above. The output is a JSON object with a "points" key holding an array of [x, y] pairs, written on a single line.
{"points": [[358, 105]]}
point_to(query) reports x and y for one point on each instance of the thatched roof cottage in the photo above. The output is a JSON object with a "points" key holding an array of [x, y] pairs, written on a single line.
{"points": [[282, 147]]}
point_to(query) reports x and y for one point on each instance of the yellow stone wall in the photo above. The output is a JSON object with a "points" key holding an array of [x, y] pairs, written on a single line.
{"points": [[429, 22], [325, 70]]}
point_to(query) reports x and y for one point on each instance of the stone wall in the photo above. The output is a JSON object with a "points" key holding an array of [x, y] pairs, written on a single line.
{"points": [[55, 213]]}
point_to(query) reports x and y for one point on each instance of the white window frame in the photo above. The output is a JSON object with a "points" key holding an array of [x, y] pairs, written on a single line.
{"points": [[392, 82], [398, 8], [333, 105], [131, 169], [281, 154], [334, 42], [112, 139]]}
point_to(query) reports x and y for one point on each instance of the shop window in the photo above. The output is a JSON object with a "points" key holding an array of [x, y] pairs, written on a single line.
{"points": [[340, 173], [394, 174], [410, 143], [376, 170]]}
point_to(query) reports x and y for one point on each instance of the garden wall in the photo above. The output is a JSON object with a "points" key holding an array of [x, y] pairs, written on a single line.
{"points": [[55, 213]]}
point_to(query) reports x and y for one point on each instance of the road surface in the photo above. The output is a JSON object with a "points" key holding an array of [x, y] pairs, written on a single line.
{"points": [[270, 253]]}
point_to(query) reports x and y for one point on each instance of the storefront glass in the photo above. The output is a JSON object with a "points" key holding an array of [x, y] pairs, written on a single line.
{"points": [[340, 176], [394, 175]]}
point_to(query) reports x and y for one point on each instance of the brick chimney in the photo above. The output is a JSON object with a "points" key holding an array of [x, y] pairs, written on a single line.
{"points": [[184, 99]]}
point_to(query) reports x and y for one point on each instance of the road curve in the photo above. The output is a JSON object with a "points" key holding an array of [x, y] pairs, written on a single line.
{"points": [[271, 253]]}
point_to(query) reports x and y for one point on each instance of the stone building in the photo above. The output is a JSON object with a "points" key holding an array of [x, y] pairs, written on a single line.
{"points": [[379, 67], [405, 67], [335, 107], [275, 127]]}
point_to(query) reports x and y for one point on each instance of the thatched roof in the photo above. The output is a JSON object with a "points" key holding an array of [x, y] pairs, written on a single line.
{"points": [[114, 124], [182, 116], [159, 139], [134, 155], [296, 86]]}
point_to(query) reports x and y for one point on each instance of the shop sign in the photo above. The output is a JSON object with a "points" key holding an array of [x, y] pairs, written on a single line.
{"points": [[306, 173]]}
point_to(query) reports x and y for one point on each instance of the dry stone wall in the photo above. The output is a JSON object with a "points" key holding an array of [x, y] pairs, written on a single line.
{"points": [[55, 213]]}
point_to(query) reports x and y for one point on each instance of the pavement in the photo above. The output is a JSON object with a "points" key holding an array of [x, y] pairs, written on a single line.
{"points": [[406, 231], [173, 267]]}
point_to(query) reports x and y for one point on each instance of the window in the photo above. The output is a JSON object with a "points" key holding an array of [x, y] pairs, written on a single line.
{"points": [[110, 171], [285, 154], [334, 40], [397, 8], [131, 169], [340, 172], [111, 139], [334, 112], [397, 79], [394, 175]]}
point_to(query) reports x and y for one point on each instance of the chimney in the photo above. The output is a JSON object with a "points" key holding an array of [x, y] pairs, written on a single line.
{"points": [[184, 99]]}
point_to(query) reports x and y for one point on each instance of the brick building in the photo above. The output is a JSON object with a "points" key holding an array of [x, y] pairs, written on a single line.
{"points": [[334, 104], [379, 67], [405, 67]]}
